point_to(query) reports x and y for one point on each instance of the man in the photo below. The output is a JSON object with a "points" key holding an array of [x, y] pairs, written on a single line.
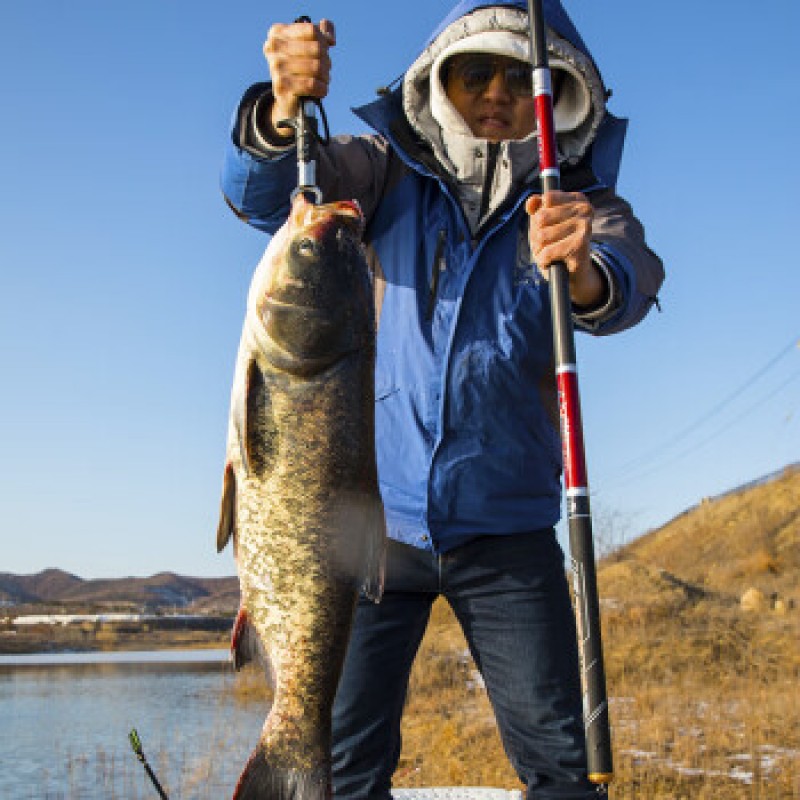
{"points": [[466, 409]]}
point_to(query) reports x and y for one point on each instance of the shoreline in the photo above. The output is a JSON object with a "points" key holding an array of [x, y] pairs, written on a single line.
{"points": [[165, 633], [202, 658]]}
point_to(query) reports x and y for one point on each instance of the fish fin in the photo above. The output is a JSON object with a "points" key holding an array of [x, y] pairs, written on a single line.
{"points": [[263, 780], [357, 517], [227, 510], [247, 647], [260, 434], [375, 554], [237, 430]]}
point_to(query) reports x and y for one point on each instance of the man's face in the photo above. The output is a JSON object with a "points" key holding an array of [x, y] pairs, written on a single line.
{"points": [[493, 95]]}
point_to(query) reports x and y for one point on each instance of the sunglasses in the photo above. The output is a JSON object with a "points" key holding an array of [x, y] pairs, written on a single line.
{"points": [[476, 72]]}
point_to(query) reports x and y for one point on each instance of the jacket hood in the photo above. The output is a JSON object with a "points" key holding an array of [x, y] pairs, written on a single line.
{"points": [[503, 29], [581, 118], [555, 17]]}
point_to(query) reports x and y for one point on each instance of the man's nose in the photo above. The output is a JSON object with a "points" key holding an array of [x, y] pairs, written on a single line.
{"points": [[497, 89]]}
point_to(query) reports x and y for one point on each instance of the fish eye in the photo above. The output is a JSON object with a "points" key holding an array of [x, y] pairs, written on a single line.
{"points": [[307, 247]]}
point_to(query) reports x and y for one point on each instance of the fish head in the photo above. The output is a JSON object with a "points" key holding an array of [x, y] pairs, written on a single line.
{"points": [[316, 302]]}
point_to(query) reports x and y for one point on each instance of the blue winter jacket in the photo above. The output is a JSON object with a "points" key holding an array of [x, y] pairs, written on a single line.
{"points": [[466, 408]]}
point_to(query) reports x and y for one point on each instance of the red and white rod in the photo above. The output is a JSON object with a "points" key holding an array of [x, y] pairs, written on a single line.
{"points": [[587, 604]]}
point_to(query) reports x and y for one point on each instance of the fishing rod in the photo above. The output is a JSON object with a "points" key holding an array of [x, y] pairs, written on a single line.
{"points": [[587, 603], [136, 744]]}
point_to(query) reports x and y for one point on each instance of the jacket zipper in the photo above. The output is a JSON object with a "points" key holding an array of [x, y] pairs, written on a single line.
{"points": [[436, 271], [493, 152]]}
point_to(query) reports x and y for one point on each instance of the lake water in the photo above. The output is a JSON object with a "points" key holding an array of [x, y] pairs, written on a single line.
{"points": [[65, 720]]}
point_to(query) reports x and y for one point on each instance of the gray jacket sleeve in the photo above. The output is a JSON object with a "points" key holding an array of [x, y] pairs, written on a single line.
{"points": [[633, 271]]}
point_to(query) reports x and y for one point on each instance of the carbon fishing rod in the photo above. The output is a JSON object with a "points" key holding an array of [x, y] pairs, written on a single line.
{"points": [[136, 744], [587, 604]]}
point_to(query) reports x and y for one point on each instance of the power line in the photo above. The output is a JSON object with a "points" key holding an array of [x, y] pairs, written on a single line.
{"points": [[717, 433], [639, 464]]}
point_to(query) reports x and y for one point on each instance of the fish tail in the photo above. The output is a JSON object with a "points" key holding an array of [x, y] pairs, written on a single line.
{"points": [[263, 780]]}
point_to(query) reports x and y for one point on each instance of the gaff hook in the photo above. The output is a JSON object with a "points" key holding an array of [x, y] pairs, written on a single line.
{"points": [[307, 136]]}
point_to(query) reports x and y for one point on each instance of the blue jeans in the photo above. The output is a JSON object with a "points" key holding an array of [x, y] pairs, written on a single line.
{"points": [[511, 598]]}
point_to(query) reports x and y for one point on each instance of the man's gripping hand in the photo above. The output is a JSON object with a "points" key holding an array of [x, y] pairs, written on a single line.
{"points": [[299, 65], [561, 230]]}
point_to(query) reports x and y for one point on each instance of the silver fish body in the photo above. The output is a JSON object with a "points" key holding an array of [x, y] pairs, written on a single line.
{"points": [[300, 494]]}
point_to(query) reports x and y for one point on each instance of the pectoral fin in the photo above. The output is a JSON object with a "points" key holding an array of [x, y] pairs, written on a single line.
{"points": [[260, 434]]}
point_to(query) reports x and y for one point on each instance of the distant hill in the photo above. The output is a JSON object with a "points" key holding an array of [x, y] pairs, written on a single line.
{"points": [[165, 590], [42, 587]]}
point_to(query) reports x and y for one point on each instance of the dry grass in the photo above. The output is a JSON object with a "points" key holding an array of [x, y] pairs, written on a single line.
{"points": [[704, 705], [704, 695]]}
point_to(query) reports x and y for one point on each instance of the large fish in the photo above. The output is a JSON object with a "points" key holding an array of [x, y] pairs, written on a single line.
{"points": [[300, 495]]}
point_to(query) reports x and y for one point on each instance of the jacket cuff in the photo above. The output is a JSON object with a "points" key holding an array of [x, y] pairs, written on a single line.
{"points": [[592, 317], [256, 137]]}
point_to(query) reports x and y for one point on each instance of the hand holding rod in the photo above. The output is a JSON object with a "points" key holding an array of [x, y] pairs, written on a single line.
{"points": [[307, 138], [587, 605]]}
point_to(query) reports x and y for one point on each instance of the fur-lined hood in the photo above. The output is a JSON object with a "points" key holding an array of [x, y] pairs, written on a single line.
{"points": [[483, 175], [503, 29]]}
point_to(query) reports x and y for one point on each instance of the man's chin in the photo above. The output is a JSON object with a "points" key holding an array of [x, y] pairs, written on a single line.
{"points": [[494, 132]]}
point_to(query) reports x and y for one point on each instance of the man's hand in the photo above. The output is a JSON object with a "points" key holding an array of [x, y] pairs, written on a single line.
{"points": [[561, 230], [299, 64]]}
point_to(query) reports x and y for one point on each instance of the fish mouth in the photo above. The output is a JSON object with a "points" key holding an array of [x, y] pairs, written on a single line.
{"points": [[348, 208], [315, 220]]}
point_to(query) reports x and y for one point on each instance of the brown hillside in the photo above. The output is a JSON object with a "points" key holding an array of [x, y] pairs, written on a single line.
{"points": [[745, 539]]}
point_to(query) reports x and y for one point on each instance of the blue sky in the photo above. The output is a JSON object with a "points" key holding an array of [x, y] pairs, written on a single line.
{"points": [[124, 275]]}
